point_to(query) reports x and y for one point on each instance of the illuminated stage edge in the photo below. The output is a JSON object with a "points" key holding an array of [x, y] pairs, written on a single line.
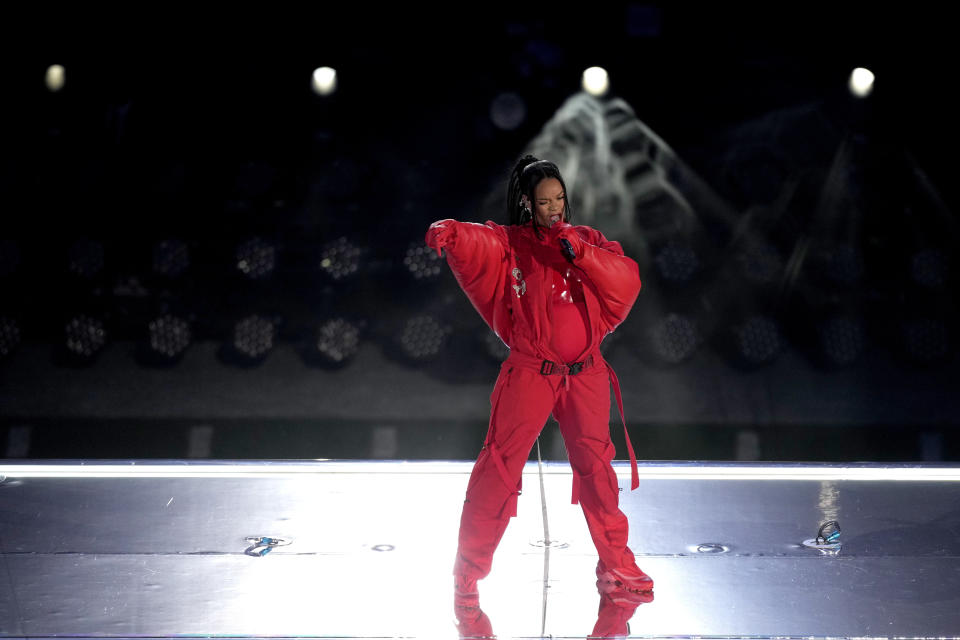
{"points": [[362, 549]]}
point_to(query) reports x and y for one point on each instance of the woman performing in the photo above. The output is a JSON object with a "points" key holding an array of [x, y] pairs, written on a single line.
{"points": [[551, 291]]}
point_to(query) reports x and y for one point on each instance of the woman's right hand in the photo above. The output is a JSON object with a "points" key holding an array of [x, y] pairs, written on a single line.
{"points": [[440, 234]]}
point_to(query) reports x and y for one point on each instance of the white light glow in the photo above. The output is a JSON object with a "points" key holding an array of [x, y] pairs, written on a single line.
{"points": [[861, 82], [595, 81], [508, 111], [324, 81], [55, 77], [904, 473]]}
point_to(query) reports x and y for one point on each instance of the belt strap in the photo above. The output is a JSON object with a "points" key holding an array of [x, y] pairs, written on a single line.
{"points": [[511, 506], [634, 473]]}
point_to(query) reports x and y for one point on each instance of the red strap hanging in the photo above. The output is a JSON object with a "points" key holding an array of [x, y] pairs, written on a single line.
{"points": [[634, 473]]}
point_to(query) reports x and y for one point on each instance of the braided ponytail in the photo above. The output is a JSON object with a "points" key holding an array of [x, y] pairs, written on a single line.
{"points": [[516, 213]]}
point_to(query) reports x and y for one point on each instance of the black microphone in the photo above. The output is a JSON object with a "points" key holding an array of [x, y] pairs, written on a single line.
{"points": [[568, 249]]}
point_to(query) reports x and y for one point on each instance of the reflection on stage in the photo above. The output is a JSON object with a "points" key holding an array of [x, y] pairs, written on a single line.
{"points": [[363, 549]]}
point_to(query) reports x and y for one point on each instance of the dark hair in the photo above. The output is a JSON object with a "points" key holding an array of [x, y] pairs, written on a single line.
{"points": [[527, 174]]}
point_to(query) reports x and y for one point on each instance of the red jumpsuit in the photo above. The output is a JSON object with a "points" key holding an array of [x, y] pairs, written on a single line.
{"points": [[523, 286]]}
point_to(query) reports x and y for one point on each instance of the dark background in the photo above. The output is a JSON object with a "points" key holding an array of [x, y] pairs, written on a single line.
{"points": [[802, 307]]}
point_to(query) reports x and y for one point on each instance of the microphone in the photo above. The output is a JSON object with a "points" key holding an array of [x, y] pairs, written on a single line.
{"points": [[568, 249]]}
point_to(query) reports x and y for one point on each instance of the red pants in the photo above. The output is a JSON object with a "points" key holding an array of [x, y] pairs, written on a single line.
{"points": [[522, 400]]}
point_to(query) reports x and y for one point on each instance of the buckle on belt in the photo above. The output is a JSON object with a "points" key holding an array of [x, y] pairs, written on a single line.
{"points": [[550, 368]]}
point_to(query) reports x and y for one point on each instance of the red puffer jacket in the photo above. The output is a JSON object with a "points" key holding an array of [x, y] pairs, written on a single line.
{"points": [[506, 272]]}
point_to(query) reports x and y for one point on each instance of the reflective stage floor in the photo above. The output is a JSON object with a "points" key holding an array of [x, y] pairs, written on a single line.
{"points": [[365, 550]]}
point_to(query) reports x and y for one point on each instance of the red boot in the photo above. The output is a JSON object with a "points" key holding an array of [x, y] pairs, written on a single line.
{"points": [[472, 622], [625, 586]]}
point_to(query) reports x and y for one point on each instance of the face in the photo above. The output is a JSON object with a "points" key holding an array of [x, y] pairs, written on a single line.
{"points": [[549, 204]]}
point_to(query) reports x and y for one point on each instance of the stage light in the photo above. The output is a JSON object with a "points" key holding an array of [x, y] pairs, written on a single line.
{"points": [[171, 258], [423, 337], [758, 339], [338, 340], [86, 258], [55, 78], [927, 340], [256, 258], [253, 337], [508, 111], [340, 259], [841, 339], [595, 81], [676, 262], [422, 262], [85, 336], [324, 81], [861, 82], [169, 336], [930, 268], [9, 336], [675, 338]]}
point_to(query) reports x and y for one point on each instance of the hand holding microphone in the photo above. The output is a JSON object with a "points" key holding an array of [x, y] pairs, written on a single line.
{"points": [[570, 243]]}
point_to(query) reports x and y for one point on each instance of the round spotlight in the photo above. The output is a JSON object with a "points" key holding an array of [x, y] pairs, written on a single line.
{"points": [[256, 259], [86, 258], [338, 341], [861, 82], [758, 340], [85, 336], [675, 338], [930, 268], [169, 337], [171, 258], [508, 111], [9, 336], [423, 338], [324, 81], [842, 339], [927, 340], [253, 337], [422, 262], [677, 262], [340, 259], [55, 78], [595, 81]]}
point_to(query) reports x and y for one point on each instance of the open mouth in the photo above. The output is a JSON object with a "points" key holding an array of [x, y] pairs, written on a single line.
{"points": [[554, 219]]}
